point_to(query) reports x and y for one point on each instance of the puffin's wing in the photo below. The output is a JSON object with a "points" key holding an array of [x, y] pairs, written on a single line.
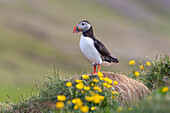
{"points": [[106, 56], [101, 48]]}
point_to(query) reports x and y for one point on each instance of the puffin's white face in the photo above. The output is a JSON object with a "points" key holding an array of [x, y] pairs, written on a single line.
{"points": [[82, 27]]}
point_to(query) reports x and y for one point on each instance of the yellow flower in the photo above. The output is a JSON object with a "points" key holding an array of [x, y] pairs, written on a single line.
{"points": [[113, 97], [106, 79], [77, 101], [96, 100], [101, 97], [140, 61], [149, 97], [96, 88], [78, 81], [79, 86], [119, 109], [132, 62], [74, 101], [93, 108], [89, 98], [113, 93], [92, 84], [85, 76], [115, 83], [117, 92], [110, 81], [95, 80], [165, 89], [77, 92], [92, 93], [82, 91], [84, 109], [69, 102], [148, 63], [76, 107], [59, 105], [130, 108], [137, 73], [109, 86], [86, 88], [100, 74], [105, 84], [101, 78], [68, 84], [100, 90], [61, 97], [141, 67]]}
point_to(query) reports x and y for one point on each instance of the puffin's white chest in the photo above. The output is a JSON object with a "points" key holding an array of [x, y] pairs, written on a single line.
{"points": [[89, 50]]}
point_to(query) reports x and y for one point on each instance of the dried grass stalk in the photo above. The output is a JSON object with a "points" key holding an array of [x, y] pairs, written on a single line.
{"points": [[130, 90]]}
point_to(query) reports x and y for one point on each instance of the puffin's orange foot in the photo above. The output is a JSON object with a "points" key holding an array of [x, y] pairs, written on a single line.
{"points": [[94, 73]]}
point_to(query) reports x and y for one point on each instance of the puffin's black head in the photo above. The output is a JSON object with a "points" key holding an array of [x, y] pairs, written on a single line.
{"points": [[82, 26]]}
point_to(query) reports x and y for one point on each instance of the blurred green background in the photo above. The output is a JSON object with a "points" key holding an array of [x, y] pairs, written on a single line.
{"points": [[35, 35]]}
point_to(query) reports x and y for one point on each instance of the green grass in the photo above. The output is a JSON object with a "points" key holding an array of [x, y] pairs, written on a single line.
{"points": [[45, 95], [155, 74], [13, 93], [53, 86]]}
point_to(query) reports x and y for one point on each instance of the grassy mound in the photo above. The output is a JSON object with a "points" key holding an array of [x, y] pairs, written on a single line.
{"points": [[45, 100], [106, 92]]}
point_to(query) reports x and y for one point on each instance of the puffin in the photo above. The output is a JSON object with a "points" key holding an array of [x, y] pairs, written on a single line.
{"points": [[92, 48]]}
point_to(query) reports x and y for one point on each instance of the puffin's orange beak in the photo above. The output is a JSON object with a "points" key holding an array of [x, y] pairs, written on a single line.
{"points": [[76, 29]]}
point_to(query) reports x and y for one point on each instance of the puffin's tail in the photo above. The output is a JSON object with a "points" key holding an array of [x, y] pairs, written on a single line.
{"points": [[113, 58], [110, 59]]}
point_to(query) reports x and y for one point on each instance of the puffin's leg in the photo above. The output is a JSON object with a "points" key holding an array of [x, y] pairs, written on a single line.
{"points": [[94, 72], [94, 69], [98, 69]]}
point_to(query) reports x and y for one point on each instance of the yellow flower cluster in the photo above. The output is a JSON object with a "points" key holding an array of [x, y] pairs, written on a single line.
{"points": [[80, 86], [87, 91], [130, 108], [78, 81], [95, 80], [114, 94], [132, 62], [77, 101], [141, 67], [119, 109], [148, 63], [115, 83], [86, 88], [61, 98], [96, 88], [85, 76], [96, 98], [68, 84], [165, 89], [137, 73], [100, 74], [79, 104], [84, 109], [59, 105], [93, 108]]}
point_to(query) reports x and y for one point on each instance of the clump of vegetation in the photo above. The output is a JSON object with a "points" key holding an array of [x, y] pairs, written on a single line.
{"points": [[154, 73], [95, 94], [85, 93], [158, 73]]}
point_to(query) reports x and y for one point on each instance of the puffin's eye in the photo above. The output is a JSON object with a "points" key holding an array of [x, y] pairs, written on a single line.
{"points": [[82, 24]]}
